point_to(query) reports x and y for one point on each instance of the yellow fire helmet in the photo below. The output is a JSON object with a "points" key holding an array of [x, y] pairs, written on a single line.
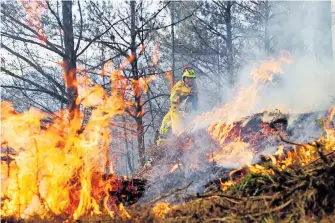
{"points": [[189, 72]]}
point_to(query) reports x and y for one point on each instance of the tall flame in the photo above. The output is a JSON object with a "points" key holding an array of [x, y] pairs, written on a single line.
{"points": [[57, 169]]}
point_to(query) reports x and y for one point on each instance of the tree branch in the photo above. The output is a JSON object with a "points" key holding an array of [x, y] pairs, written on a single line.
{"points": [[174, 23], [154, 15], [213, 30], [27, 41], [81, 28], [42, 89], [202, 39], [51, 45], [54, 14], [98, 36], [36, 67], [156, 96]]}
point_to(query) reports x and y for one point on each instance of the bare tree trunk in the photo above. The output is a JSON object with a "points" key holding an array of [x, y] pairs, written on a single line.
{"points": [[70, 60], [173, 40], [137, 91], [229, 42], [220, 74], [62, 44]]}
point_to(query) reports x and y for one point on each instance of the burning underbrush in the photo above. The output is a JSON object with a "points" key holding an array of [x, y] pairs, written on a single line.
{"points": [[296, 184], [198, 157]]}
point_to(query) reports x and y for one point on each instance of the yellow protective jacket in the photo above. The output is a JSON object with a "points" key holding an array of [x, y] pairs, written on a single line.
{"points": [[173, 119], [179, 93]]}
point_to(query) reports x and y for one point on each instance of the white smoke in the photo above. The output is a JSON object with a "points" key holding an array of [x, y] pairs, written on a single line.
{"points": [[307, 85]]}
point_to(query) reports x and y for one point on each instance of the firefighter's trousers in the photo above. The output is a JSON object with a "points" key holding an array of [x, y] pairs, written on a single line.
{"points": [[172, 123]]}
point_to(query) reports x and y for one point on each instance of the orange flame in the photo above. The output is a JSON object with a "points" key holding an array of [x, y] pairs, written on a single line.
{"points": [[233, 154], [169, 77], [123, 212], [225, 185], [56, 169], [161, 209], [175, 167]]}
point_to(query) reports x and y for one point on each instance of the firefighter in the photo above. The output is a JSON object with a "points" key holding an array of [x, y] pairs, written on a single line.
{"points": [[183, 93]]}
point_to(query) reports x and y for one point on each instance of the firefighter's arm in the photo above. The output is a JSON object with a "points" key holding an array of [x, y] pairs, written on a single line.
{"points": [[177, 95]]}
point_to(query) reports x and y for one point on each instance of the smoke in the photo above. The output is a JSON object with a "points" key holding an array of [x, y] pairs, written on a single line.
{"points": [[304, 88], [306, 85]]}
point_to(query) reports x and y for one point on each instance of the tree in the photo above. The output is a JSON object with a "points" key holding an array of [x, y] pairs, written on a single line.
{"points": [[27, 73], [70, 59], [133, 40]]}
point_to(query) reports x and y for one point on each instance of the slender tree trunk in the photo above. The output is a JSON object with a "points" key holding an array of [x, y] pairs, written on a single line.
{"points": [[137, 91], [220, 74], [173, 41], [62, 44], [229, 43], [70, 61]]}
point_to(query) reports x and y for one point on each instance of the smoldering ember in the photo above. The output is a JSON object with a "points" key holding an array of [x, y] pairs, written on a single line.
{"points": [[167, 111]]}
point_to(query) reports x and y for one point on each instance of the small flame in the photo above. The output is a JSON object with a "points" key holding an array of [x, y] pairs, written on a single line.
{"points": [[123, 212], [234, 154], [175, 167], [225, 185], [161, 209], [169, 76], [280, 152], [155, 57]]}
